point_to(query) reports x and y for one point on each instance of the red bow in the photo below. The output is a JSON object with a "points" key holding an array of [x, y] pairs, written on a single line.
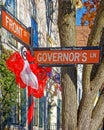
{"points": [[27, 74]]}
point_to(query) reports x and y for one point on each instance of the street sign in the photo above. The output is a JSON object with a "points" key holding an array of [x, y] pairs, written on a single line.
{"points": [[67, 56], [15, 27]]}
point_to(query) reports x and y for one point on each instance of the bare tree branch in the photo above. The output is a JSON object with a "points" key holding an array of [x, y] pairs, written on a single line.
{"points": [[88, 96], [95, 35], [86, 78], [97, 82], [98, 113]]}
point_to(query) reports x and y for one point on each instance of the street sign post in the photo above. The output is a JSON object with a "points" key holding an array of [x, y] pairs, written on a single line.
{"points": [[67, 56]]}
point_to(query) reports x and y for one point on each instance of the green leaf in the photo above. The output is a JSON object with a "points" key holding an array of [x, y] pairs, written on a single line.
{"points": [[8, 85]]}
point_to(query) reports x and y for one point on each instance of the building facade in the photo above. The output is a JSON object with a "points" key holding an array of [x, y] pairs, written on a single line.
{"points": [[42, 26]]}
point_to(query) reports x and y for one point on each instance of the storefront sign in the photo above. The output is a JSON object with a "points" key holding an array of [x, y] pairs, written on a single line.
{"points": [[67, 56], [15, 27]]}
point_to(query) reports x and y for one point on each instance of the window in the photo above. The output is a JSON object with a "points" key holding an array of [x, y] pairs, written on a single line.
{"points": [[21, 11], [34, 28], [11, 7], [41, 112]]}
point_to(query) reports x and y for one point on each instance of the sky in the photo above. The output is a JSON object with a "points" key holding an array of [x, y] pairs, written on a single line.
{"points": [[79, 15]]}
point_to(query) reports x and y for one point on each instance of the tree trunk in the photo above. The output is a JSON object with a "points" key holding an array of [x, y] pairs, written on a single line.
{"points": [[67, 25], [88, 117]]}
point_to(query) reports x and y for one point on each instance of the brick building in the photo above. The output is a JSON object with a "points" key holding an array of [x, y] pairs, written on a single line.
{"points": [[82, 35]]}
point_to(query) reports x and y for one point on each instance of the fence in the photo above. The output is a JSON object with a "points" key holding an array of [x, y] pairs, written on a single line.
{"points": [[48, 127]]}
